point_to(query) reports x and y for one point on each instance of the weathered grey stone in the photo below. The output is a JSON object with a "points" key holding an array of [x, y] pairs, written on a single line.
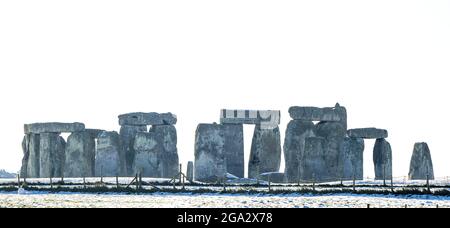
{"points": [[313, 167], [266, 118], [265, 154], [334, 134], [234, 149], [421, 166], [382, 159], [150, 118], [190, 171], [34, 155], [368, 133], [210, 163], [80, 155], [294, 144], [352, 150], [52, 155], [274, 177], [38, 128], [109, 159], [148, 150], [26, 155], [94, 133], [317, 114], [168, 154], [127, 135]]}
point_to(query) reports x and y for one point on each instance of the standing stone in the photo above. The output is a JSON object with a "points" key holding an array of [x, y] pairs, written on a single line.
{"points": [[80, 155], [334, 134], [147, 149], [312, 163], [421, 165], [210, 163], [294, 144], [166, 136], [342, 112], [34, 155], [109, 159], [190, 171], [382, 159], [352, 150], [234, 149], [265, 154], [26, 155], [51, 161], [127, 135]]}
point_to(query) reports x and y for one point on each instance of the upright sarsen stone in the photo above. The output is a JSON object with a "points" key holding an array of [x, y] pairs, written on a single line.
{"points": [[421, 166], [210, 163], [265, 154], [190, 171], [294, 145], [109, 159], [166, 135], [312, 163], [80, 155], [147, 154], [52, 155], [33, 155], [234, 149], [127, 136], [334, 134], [382, 159], [352, 150], [26, 155]]}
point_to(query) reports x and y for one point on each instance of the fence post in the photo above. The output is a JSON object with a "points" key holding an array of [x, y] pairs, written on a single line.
{"points": [[314, 182], [428, 183], [84, 182], [18, 181], [384, 175], [179, 173], [117, 181], [257, 174], [101, 174], [354, 182], [269, 183], [51, 182], [137, 181], [368, 205], [392, 183], [298, 176], [224, 183]]}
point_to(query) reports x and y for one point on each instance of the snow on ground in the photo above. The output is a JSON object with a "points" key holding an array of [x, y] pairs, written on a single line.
{"points": [[169, 200]]}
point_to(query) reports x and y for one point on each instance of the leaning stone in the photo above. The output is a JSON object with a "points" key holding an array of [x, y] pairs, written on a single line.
{"points": [[382, 159], [109, 159], [127, 135], [190, 171], [421, 166], [268, 118], [312, 163], [315, 114], [294, 144], [151, 118], [80, 155], [52, 155], [234, 149], [368, 133], [210, 163], [34, 155], [38, 128], [148, 151], [265, 154], [334, 134], [273, 177], [352, 150], [26, 155], [168, 154]]}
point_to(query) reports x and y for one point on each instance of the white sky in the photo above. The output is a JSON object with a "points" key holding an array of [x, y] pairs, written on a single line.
{"points": [[388, 62]]}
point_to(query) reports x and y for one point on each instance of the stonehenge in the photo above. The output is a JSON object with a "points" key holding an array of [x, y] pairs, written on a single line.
{"points": [[317, 147], [421, 166], [94, 152]]}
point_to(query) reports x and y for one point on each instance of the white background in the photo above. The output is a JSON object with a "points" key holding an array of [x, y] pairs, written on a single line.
{"points": [[388, 62]]}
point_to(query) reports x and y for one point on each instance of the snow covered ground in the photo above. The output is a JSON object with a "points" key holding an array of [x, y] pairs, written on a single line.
{"points": [[169, 200]]}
